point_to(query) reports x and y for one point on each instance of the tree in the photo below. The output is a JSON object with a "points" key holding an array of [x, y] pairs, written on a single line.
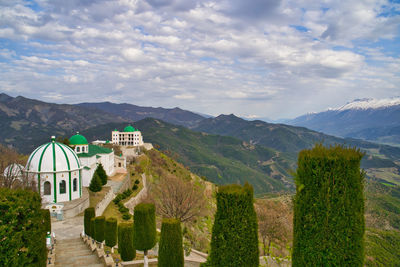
{"points": [[102, 174], [329, 226], [22, 231], [46, 220], [170, 253], [234, 240], [11, 170], [125, 242], [110, 234], [144, 232], [273, 225], [95, 183], [87, 216], [99, 225], [179, 199]]}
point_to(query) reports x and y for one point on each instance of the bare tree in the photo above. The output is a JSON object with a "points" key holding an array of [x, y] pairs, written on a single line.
{"points": [[273, 222], [11, 170], [178, 198]]}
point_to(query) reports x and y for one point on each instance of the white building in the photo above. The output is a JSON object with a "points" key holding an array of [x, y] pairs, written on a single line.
{"points": [[129, 137], [90, 156], [58, 171]]}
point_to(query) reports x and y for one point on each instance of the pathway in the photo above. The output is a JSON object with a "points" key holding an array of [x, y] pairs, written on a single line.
{"points": [[74, 253]]}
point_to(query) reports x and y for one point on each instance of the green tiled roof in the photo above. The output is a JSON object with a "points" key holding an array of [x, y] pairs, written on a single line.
{"points": [[94, 150], [78, 140], [129, 129]]}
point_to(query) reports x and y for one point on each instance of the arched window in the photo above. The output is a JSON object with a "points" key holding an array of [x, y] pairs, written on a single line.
{"points": [[63, 187], [75, 185], [47, 188], [78, 149]]}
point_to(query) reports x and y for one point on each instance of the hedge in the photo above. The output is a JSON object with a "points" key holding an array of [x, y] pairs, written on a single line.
{"points": [[110, 233], [145, 226], [170, 253], [22, 231], [88, 215], [329, 208], [234, 240], [99, 225], [92, 230], [46, 220], [125, 242]]}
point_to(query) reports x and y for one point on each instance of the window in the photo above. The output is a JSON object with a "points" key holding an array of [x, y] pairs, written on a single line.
{"points": [[63, 187], [78, 149], [119, 164], [75, 185], [47, 188]]}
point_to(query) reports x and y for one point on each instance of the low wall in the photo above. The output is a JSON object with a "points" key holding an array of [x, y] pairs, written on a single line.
{"points": [[126, 184], [73, 208], [102, 205], [131, 203]]}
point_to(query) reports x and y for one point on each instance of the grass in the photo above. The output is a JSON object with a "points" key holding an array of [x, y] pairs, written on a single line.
{"points": [[95, 198]]}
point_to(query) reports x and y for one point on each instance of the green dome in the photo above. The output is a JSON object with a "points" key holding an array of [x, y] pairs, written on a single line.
{"points": [[78, 140], [129, 129]]}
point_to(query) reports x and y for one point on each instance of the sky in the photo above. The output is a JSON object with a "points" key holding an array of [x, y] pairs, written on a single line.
{"points": [[257, 58]]}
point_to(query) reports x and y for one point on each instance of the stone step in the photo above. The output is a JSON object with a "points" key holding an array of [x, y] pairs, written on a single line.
{"points": [[74, 253]]}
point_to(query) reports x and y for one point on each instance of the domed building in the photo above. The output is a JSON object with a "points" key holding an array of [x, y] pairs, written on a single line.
{"points": [[129, 137], [58, 171], [90, 156]]}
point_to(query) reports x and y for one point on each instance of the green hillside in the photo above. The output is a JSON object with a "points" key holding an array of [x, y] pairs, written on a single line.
{"points": [[221, 159]]}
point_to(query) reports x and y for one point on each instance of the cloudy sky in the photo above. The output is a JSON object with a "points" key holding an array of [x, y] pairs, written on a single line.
{"points": [[255, 58]]}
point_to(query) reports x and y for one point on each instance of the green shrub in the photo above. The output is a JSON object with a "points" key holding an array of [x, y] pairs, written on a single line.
{"points": [[88, 215], [110, 233], [144, 226], [92, 230], [135, 187], [234, 240], [170, 253], [22, 231], [126, 216], [95, 183], [137, 181], [126, 246], [102, 174], [46, 220], [329, 208], [99, 225]]}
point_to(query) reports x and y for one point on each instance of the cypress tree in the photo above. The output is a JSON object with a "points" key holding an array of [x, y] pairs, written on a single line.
{"points": [[102, 174], [46, 220], [92, 230], [99, 223], [144, 227], [234, 240], [88, 215], [125, 242], [170, 253], [95, 183], [110, 234], [329, 208]]}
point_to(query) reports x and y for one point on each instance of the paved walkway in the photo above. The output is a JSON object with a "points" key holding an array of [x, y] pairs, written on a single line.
{"points": [[68, 228], [74, 253]]}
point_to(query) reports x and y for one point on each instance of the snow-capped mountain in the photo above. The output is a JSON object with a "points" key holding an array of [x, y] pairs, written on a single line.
{"points": [[370, 119]]}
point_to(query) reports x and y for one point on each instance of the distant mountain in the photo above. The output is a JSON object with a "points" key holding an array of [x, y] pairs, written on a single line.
{"points": [[135, 113], [368, 119], [220, 159], [26, 123]]}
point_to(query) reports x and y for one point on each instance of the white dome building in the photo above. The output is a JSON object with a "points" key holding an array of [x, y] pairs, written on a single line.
{"points": [[58, 171]]}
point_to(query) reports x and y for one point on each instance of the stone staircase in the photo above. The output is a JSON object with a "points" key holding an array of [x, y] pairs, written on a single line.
{"points": [[74, 253]]}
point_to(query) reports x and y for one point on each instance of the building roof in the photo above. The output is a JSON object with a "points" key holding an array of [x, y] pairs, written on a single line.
{"points": [[13, 170], [94, 150], [78, 140], [53, 157], [129, 128]]}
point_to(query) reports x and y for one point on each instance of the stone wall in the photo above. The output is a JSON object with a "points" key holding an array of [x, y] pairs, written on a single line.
{"points": [[102, 205], [74, 207], [131, 203], [126, 183]]}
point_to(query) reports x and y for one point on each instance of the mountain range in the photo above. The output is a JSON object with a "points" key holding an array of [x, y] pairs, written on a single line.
{"points": [[224, 149], [368, 119]]}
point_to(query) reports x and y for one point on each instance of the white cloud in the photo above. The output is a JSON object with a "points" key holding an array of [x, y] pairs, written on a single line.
{"points": [[207, 56]]}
